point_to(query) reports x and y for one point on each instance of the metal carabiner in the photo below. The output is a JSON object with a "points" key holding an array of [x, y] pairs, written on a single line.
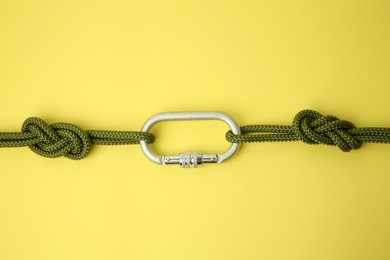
{"points": [[187, 159]]}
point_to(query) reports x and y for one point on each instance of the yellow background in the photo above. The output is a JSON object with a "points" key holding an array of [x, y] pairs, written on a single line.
{"points": [[112, 64]]}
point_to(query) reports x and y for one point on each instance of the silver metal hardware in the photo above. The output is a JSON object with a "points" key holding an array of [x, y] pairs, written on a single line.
{"points": [[187, 159]]}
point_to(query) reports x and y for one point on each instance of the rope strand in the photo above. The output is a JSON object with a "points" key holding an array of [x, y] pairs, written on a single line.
{"points": [[64, 139], [313, 128]]}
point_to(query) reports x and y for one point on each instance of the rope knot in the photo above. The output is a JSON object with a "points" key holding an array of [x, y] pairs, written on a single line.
{"points": [[59, 139], [313, 128]]}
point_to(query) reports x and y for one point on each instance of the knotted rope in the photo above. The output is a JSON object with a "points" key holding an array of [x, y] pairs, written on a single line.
{"points": [[313, 128], [64, 139]]}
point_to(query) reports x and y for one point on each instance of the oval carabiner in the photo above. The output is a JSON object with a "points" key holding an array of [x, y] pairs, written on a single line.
{"points": [[187, 159]]}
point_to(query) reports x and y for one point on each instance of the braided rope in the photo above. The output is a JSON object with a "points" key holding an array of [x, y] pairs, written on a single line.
{"points": [[64, 139], [313, 128]]}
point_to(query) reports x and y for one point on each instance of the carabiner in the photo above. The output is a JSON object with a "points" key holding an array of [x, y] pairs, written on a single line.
{"points": [[187, 159]]}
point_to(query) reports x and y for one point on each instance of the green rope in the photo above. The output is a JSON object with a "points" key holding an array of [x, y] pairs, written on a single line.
{"points": [[313, 128], [63, 139]]}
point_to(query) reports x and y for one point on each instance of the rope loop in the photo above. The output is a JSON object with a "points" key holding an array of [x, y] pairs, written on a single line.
{"points": [[312, 127], [59, 139]]}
